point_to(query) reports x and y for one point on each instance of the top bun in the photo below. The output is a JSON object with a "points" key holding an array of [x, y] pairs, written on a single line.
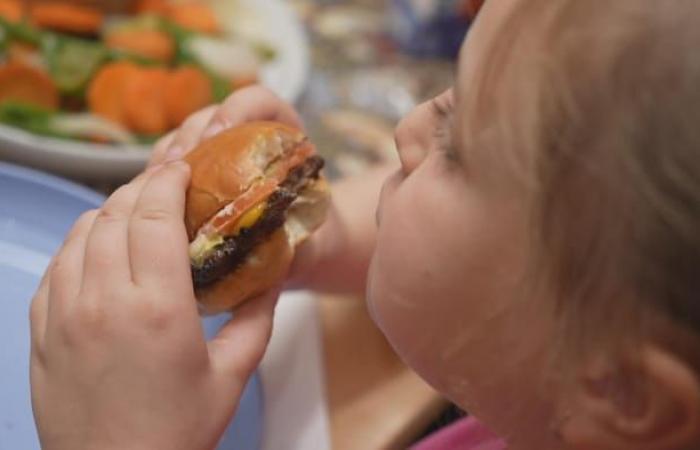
{"points": [[226, 165]]}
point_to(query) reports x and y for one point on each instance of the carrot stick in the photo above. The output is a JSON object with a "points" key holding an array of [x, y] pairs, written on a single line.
{"points": [[11, 10], [159, 7], [66, 17], [144, 102], [187, 90], [194, 16], [105, 95], [151, 44], [25, 84]]}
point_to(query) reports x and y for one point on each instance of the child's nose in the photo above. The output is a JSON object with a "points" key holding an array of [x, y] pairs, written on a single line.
{"points": [[412, 137]]}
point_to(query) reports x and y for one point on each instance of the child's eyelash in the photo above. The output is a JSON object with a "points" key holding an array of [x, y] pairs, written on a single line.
{"points": [[443, 131]]}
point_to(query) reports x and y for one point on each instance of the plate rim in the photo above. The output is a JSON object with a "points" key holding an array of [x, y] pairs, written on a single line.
{"points": [[53, 182], [94, 161]]}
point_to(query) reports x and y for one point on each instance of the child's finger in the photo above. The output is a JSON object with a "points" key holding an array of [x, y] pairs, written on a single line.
{"points": [[65, 277], [190, 133], [251, 104], [157, 239], [239, 346], [38, 309], [68, 263], [160, 147], [107, 252]]}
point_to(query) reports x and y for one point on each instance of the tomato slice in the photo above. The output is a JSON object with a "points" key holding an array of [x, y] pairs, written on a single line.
{"points": [[225, 221]]}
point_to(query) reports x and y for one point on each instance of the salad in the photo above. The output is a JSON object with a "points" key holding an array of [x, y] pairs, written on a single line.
{"points": [[70, 71]]}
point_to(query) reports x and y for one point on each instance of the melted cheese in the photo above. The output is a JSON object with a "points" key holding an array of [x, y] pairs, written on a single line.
{"points": [[249, 218], [205, 243]]}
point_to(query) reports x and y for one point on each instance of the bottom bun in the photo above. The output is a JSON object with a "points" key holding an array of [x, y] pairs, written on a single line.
{"points": [[263, 270], [268, 265]]}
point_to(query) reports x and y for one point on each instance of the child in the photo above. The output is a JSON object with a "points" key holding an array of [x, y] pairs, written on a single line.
{"points": [[536, 257]]}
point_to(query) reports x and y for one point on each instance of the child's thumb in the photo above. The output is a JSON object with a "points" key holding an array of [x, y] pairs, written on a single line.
{"points": [[239, 346]]}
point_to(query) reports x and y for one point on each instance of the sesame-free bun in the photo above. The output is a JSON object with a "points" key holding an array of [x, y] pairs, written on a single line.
{"points": [[227, 168]]}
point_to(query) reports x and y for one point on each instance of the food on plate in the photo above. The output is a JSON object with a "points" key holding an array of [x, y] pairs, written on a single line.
{"points": [[256, 193], [153, 44], [133, 77], [187, 90], [194, 17], [150, 6], [66, 17], [149, 100], [105, 96], [11, 10], [21, 83], [144, 101]]}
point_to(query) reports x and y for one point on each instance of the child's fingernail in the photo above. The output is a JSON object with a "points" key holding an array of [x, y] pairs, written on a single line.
{"points": [[174, 153], [213, 129]]}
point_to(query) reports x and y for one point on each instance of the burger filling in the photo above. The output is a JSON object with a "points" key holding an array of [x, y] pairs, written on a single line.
{"points": [[213, 255]]}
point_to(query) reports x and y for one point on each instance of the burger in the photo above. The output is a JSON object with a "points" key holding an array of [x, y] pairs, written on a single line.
{"points": [[256, 192]]}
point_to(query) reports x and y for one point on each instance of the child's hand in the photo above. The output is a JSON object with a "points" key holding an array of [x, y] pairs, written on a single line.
{"points": [[119, 359], [245, 105]]}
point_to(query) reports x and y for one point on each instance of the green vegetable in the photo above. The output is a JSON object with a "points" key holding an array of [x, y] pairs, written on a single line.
{"points": [[73, 62], [22, 31], [266, 51], [30, 118], [146, 139], [180, 37], [220, 88], [114, 54]]}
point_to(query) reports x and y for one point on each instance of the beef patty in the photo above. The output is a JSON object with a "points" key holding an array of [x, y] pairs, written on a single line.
{"points": [[230, 254]]}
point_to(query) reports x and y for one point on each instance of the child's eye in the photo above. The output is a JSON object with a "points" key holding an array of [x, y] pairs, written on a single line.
{"points": [[444, 144], [443, 140]]}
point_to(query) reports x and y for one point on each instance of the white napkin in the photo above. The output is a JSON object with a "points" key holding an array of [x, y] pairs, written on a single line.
{"points": [[292, 375]]}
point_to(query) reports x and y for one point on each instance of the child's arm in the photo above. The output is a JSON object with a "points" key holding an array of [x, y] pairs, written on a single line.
{"points": [[337, 256], [118, 357]]}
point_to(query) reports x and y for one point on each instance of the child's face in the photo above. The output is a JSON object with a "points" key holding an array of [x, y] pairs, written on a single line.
{"points": [[445, 282]]}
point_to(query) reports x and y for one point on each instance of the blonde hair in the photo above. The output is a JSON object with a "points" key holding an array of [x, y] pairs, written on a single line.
{"points": [[605, 99]]}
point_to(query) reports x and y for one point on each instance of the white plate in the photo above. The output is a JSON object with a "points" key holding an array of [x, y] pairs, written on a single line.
{"points": [[272, 19]]}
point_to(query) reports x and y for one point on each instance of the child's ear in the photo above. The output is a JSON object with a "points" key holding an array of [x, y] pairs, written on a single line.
{"points": [[655, 406]]}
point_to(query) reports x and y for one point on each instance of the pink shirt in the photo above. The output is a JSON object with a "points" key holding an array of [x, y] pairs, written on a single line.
{"points": [[465, 434]]}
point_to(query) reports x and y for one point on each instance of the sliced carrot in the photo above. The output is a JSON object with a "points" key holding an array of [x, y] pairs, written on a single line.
{"points": [[187, 90], [11, 10], [152, 44], [194, 16], [159, 7], [26, 84], [144, 102], [66, 17], [105, 95]]}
